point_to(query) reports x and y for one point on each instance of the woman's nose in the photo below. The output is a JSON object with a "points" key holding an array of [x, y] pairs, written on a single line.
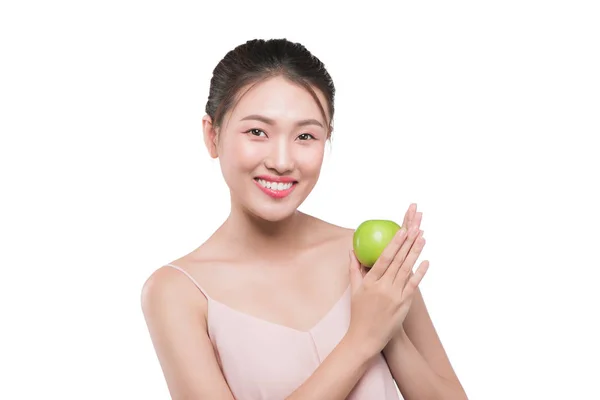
{"points": [[280, 158]]}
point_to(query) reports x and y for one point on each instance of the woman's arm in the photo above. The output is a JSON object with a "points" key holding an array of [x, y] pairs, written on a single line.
{"points": [[177, 327], [337, 375], [418, 360]]}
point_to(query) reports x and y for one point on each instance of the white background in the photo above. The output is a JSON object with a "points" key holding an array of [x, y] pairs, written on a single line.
{"points": [[483, 113]]}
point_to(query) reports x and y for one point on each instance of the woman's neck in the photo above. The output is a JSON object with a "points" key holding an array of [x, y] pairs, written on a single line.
{"points": [[248, 234]]}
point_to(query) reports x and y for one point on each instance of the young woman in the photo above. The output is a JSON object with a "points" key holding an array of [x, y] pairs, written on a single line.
{"points": [[274, 305]]}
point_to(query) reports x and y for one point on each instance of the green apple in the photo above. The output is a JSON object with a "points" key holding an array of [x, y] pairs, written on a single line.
{"points": [[371, 237]]}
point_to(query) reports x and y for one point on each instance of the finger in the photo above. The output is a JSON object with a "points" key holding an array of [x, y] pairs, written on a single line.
{"points": [[363, 270], [418, 218], [386, 257], [408, 215], [410, 260], [396, 263], [413, 213], [415, 280], [355, 272]]}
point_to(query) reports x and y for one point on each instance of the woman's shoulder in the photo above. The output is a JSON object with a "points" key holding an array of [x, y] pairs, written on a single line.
{"points": [[177, 281], [330, 231]]}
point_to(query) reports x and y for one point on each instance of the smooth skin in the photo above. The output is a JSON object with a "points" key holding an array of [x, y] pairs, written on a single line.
{"points": [[268, 259]]}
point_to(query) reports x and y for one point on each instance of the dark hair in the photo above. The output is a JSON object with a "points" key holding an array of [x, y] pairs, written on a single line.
{"points": [[258, 60]]}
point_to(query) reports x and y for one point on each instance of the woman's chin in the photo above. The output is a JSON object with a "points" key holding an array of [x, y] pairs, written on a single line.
{"points": [[274, 214], [272, 210]]}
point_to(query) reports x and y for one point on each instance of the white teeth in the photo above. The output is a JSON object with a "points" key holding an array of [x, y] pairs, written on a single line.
{"points": [[275, 185]]}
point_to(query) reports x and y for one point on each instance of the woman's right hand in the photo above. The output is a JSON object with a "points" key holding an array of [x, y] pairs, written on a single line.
{"points": [[381, 298]]}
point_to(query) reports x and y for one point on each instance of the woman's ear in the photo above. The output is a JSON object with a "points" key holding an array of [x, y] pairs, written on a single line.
{"points": [[210, 136]]}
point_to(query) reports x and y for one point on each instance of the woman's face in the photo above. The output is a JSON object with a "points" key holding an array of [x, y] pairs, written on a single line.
{"points": [[271, 148]]}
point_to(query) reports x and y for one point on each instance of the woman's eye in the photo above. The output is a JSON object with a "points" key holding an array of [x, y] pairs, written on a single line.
{"points": [[306, 136], [256, 132]]}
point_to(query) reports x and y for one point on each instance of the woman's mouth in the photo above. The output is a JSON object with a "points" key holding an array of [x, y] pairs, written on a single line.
{"points": [[276, 190]]}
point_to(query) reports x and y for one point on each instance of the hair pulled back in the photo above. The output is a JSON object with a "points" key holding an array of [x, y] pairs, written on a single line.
{"points": [[258, 60]]}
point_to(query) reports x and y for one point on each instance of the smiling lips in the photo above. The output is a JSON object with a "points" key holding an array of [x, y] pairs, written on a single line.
{"points": [[276, 187]]}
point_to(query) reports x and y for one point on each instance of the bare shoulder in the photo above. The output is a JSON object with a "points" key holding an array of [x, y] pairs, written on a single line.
{"points": [[166, 287], [332, 232], [168, 294], [167, 284], [175, 314], [336, 239]]}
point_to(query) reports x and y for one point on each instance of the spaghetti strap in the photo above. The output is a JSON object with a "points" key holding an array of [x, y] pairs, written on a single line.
{"points": [[191, 278]]}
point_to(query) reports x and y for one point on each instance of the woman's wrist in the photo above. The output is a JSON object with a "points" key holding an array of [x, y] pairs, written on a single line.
{"points": [[361, 350], [399, 340]]}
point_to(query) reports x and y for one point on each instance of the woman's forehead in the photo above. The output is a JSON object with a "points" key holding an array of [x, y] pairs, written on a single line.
{"points": [[278, 98]]}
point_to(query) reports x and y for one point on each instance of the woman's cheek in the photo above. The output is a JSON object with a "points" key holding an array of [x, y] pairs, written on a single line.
{"points": [[242, 152], [250, 153], [311, 159]]}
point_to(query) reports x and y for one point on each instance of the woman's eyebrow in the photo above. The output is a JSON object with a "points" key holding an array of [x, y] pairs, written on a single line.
{"points": [[269, 121]]}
